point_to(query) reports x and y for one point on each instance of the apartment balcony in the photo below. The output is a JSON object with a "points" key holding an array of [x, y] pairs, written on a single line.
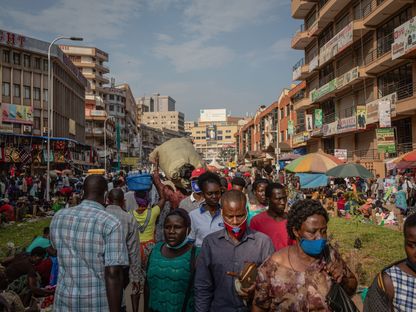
{"points": [[104, 69], [378, 10], [329, 11], [302, 104], [300, 70], [102, 78], [301, 39], [379, 59], [301, 8]]}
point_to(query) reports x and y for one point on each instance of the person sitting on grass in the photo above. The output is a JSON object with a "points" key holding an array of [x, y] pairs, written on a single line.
{"points": [[393, 289]]}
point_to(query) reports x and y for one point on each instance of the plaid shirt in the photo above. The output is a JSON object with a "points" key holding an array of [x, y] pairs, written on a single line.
{"points": [[87, 240]]}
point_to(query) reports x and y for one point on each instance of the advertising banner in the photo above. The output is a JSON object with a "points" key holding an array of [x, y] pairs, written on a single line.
{"points": [[361, 117], [211, 132], [346, 78], [385, 140], [337, 44], [130, 161], [330, 129], [373, 111], [290, 127], [384, 114], [341, 154], [347, 124], [17, 114], [309, 122], [404, 39], [325, 89], [318, 118]]}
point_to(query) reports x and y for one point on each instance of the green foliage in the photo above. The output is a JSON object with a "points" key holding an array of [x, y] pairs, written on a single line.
{"points": [[21, 234], [380, 246]]}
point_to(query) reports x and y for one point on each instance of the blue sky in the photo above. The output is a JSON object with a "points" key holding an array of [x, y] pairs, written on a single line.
{"points": [[232, 54]]}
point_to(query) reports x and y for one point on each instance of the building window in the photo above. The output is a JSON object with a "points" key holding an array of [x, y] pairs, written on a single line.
{"points": [[282, 136], [228, 136], [6, 89], [111, 107], [26, 90], [45, 95], [37, 63], [36, 94], [287, 110], [111, 97], [36, 123], [26, 60], [6, 56], [16, 58], [45, 65], [398, 80], [16, 90]]}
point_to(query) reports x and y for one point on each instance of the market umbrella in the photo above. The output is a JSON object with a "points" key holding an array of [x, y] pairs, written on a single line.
{"points": [[313, 163], [350, 170], [404, 161], [289, 156]]}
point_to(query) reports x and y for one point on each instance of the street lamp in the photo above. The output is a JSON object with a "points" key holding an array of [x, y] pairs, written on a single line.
{"points": [[105, 143], [50, 111]]}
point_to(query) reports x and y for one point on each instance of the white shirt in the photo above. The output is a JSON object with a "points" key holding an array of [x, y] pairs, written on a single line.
{"points": [[203, 224]]}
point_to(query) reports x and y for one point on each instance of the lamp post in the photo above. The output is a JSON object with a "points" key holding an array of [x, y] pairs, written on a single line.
{"points": [[105, 143], [50, 111]]}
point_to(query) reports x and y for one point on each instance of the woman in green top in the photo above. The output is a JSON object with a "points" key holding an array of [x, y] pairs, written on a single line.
{"points": [[170, 270]]}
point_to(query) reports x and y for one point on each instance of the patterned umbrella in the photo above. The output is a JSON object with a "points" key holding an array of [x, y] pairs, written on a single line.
{"points": [[313, 163], [350, 170], [404, 161]]}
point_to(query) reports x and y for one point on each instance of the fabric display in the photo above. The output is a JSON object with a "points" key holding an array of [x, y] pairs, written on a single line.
{"points": [[45, 156], [59, 156], [15, 155], [59, 145], [7, 154], [25, 156]]}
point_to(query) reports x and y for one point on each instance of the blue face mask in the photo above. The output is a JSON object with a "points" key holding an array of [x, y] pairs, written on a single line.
{"points": [[185, 241], [313, 247], [195, 187]]}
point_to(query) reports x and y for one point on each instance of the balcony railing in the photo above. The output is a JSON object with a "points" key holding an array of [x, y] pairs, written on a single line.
{"points": [[402, 149], [328, 118], [300, 63], [324, 80], [367, 8], [383, 47], [299, 30], [404, 89]]}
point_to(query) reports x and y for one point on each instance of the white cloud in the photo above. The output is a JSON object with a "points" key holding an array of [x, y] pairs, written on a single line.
{"points": [[164, 38], [194, 54], [92, 19], [280, 50], [209, 18]]}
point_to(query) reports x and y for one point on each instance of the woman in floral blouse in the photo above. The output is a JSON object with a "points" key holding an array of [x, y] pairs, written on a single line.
{"points": [[297, 278]]}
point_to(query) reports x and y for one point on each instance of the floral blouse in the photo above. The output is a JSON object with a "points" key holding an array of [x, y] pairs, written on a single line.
{"points": [[282, 289]]}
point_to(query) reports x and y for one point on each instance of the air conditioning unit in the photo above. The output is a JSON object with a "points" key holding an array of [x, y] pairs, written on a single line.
{"points": [[27, 129]]}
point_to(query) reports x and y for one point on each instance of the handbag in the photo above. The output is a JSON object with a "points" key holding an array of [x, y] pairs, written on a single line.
{"points": [[337, 299]]}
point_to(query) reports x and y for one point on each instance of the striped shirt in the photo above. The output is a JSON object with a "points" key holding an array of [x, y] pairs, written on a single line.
{"points": [[87, 240]]}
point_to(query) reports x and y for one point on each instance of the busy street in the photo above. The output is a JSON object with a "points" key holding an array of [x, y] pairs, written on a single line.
{"points": [[167, 156]]}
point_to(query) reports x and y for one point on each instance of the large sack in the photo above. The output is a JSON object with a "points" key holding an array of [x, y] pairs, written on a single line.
{"points": [[176, 159]]}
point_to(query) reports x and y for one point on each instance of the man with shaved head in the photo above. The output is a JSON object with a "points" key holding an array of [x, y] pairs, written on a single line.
{"points": [[224, 255], [92, 253], [116, 207]]}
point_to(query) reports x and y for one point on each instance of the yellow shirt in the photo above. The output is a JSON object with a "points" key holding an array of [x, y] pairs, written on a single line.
{"points": [[149, 232]]}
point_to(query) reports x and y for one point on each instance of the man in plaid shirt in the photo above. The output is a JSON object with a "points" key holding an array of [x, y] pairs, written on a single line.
{"points": [[91, 253]]}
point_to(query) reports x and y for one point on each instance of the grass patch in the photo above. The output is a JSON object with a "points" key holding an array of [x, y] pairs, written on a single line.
{"points": [[380, 246], [21, 234]]}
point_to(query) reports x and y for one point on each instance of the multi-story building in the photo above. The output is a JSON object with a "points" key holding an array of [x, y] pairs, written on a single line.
{"points": [[213, 136], [25, 94], [158, 103], [189, 125], [358, 65], [141, 109], [91, 62], [170, 120]]}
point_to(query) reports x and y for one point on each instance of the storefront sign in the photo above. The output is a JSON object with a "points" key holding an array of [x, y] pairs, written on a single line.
{"points": [[373, 111], [6, 127], [314, 63], [318, 118], [98, 113], [12, 39], [316, 132], [361, 117], [337, 44], [130, 161], [17, 114], [404, 39], [299, 139], [290, 127], [341, 154], [347, 124], [384, 114], [385, 140], [309, 122], [346, 78], [324, 90], [330, 129]]}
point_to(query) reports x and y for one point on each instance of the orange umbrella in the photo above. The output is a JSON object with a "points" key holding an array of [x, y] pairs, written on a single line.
{"points": [[404, 161], [313, 163]]}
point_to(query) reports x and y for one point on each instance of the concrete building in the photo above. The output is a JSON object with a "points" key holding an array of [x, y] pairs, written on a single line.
{"points": [[213, 136], [169, 120], [24, 97], [141, 109], [91, 62], [357, 60], [189, 125], [158, 103]]}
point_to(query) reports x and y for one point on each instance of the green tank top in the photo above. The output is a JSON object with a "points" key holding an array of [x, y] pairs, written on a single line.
{"points": [[168, 279]]}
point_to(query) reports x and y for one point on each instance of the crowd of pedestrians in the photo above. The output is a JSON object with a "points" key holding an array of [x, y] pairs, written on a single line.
{"points": [[233, 242]]}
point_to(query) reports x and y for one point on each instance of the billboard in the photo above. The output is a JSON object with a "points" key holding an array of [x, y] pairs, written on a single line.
{"points": [[212, 115], [404, 39], [385, 140], [17, 114], [211, 132]]}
